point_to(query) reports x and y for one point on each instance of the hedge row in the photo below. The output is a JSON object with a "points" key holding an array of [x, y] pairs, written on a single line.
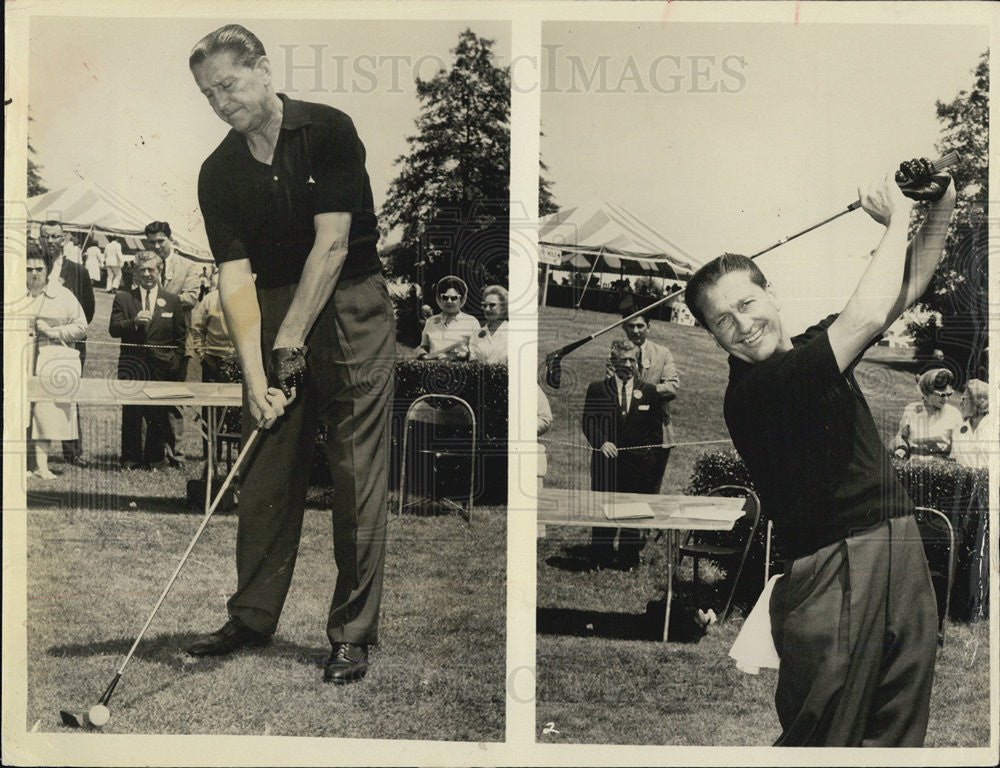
{"points": [[959, 492]]}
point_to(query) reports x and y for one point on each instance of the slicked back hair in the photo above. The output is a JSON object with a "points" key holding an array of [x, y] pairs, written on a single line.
{"points": [[236, 40], [710, 273]]}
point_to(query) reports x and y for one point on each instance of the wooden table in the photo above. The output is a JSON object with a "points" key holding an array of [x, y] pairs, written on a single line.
{"points": [[672, 514], [115, 392]]}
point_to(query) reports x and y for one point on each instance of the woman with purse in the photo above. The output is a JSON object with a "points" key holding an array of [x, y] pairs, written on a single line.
{"points": [[57, 323]]}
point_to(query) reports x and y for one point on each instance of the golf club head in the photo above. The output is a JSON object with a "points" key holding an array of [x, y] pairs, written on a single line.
{"points": [[553, 369], [97, 716]]}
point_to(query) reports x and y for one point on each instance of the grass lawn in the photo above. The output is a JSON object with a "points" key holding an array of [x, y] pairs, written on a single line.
{"points": [[602, 676], [102, 544]]}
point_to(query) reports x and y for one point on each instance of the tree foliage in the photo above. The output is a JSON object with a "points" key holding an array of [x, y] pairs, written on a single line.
{"points": [[35, 184], [450, 201], [546, 200], [959, 290]]}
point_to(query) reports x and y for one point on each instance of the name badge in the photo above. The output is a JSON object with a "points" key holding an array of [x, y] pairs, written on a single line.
{"points": [[171, 314], [643, 408]]}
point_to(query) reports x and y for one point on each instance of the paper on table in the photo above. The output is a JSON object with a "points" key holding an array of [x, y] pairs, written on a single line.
{"points": [[163, 393], [729, 509], [635, 510]]}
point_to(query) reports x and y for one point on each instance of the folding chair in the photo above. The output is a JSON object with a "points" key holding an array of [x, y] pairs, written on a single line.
{"points": [[727, 547], [442, 421], [936, 532]]}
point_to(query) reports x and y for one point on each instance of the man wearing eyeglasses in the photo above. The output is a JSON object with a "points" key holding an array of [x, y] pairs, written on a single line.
{"points": [[286, 196]]}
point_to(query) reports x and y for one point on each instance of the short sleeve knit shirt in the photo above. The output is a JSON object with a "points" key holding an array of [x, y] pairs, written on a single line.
{"points": [[811, 445], [264, 213]]}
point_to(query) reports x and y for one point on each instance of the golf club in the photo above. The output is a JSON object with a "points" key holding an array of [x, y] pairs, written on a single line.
{"points": [[553, 360], [99, 714]]}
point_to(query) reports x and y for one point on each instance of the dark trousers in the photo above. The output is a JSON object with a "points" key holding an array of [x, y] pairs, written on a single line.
{"points": [[175, 420], [350, 383], [855, 624], [74, 448], [630, 540], [134, 448]]}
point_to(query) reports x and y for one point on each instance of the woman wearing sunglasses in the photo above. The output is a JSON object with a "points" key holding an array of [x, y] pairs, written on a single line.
{"points": [[926, 429], [446, 335]]}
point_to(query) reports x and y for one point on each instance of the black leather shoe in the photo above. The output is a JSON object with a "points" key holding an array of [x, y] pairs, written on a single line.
{"points": [[347, 664], [78, 461], [233, 636]]}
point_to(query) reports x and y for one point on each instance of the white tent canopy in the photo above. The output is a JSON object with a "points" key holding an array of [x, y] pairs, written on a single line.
{"points": [[598, 230], [87, 206]]}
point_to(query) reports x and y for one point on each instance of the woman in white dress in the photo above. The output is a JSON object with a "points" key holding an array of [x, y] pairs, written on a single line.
{"points": [[57, 323], [927, 427], [970, 445], [446, 335], [489, 345], [92, 262]]}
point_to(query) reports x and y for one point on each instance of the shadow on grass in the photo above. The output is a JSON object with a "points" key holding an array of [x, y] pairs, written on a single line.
{"points": [[168, 650], [613, 626], [73, 499]]}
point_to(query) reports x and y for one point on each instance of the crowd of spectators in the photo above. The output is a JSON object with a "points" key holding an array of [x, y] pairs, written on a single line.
{"points": [[932, 428], [165, 311], [456, 336]]}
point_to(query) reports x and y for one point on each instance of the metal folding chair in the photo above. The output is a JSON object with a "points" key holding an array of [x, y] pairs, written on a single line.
{"points": [[434, 412], [936, 532], [730, 547]]}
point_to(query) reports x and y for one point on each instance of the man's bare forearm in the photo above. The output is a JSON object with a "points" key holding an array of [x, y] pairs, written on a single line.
{"points": [[927, 247], [242, 312], [319, 278]]}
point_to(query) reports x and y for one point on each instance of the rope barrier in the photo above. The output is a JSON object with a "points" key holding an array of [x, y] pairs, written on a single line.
{"points": [[633, 447]]}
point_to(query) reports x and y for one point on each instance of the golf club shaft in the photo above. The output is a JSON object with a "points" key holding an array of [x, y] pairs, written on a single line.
{"points": [[208, 516], [947, 161]]}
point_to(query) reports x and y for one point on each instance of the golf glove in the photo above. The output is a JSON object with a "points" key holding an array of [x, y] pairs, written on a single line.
{"points": [[286, 368], [918, 181]]}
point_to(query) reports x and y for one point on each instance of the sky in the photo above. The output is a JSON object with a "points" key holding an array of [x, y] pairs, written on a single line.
{"points": [[112, 100], [800, 116]]}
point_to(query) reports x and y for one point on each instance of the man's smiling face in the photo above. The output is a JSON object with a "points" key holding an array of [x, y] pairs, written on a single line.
{"points": [[743, 318]]}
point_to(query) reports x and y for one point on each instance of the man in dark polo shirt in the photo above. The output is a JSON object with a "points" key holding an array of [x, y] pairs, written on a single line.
{"points": [[286, 197], [854, 617]]}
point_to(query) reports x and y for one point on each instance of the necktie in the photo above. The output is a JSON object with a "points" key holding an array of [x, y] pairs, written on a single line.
{"points": [[146, 302], [638, 362]]}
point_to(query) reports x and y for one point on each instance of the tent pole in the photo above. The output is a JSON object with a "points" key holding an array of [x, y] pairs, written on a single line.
{"points": [[600, 255]]}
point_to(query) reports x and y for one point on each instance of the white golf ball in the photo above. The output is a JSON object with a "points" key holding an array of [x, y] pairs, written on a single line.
{"points": [[98, 715]]}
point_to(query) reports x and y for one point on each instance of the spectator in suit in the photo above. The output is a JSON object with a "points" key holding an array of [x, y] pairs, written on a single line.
{"points": [[621, 412], [181, 277], [150, 322], [72, 276], [655, 366]]}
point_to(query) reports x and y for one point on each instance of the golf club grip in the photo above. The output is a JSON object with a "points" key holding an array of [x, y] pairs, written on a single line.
{"points": [[946, 161], [201, 528]]}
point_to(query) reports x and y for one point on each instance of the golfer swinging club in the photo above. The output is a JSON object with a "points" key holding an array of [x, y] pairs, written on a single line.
{"points": [[286, 197], [854, 618]]}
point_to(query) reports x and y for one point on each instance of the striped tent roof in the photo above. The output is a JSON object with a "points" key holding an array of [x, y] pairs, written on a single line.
{"points": [[624, 241], [84, 205]]}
